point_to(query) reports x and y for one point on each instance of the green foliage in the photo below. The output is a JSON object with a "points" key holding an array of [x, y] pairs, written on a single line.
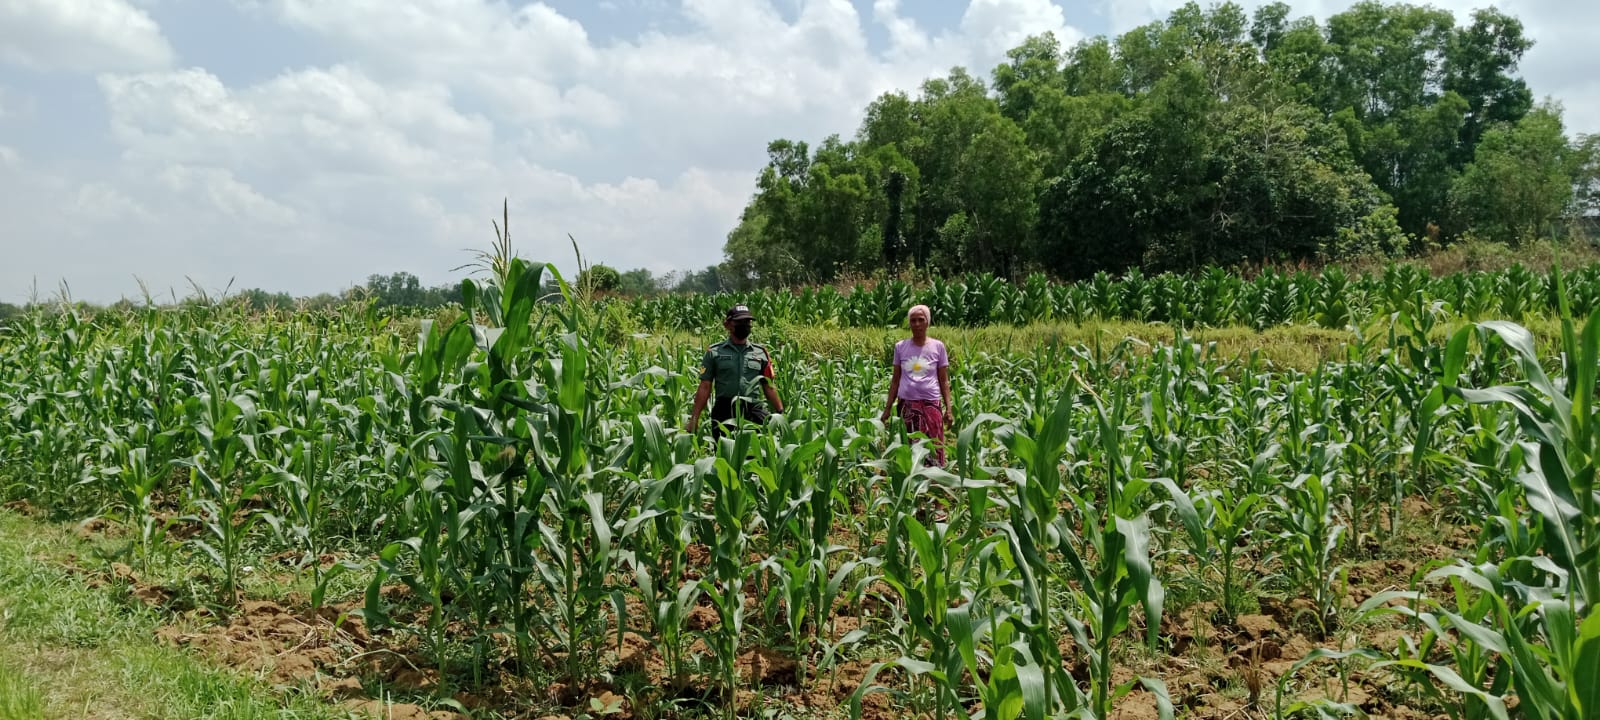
{"points": [[1330, 299], [404, 290], [1210, 137], [520, 471], [638, 283], [19, 699], [1378, 234], [1520, 180], [599, 279]]}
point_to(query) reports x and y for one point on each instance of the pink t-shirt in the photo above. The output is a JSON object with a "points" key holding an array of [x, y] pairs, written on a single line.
{"points": [[919, 368]]}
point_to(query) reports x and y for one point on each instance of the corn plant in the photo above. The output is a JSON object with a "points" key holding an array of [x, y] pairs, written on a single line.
{"points": [[1110, 564], [936, 583], [1477, 674], [1038, 529], [1557, 477], [304, 484], [732, 501], [1510, 640], [137, 481], [1533, 611], [1310, 534], [223, 483], [663, 530]]}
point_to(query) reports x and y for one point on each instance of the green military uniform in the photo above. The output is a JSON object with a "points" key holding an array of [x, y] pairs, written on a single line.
{"points": [[737, 372]]}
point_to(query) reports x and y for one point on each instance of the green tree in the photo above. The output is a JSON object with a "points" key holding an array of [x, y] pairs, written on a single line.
{"points": [[398, 289], [1210, 136], [708, 281], [998, 188], [1067, 116], [599, 278], [1520, 181], [1586, 183], [751, 258], [833, 212], [1296, 52], [258, 299], [1478, 65], [894, 249], [1034, 67], [890, 120], [951, 112], [639, 282], [1191, 179]]}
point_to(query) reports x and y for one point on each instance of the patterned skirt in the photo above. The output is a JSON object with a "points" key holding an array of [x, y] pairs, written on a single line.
{"points": [[926, 417]]}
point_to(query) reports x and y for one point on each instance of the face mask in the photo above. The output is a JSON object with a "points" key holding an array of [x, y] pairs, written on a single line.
{"points": [[741, 330]]}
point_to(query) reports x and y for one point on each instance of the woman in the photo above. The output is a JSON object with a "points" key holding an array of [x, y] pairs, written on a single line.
{"points": [[921, 383]]}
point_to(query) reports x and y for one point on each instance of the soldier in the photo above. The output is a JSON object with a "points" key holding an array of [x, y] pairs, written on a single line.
{"points": [[734, 368]]}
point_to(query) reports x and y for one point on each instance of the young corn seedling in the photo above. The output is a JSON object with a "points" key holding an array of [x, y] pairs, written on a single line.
{"points": [[1474, 687], [225, 510], [1545, 652], [1310, 533], [1308, 541], [1558, 476], [1542, 624], [1110, 563], [932, 581], [732, 503], [424, 511], [662, 537], [1037, 529], [1230, 514], [137, 482]]}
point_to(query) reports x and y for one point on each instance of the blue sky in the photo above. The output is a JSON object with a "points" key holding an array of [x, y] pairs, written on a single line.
{"points": [[301, 145]]}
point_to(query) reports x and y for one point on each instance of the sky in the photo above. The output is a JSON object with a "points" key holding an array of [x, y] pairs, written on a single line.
{"points": [[303, 145]]}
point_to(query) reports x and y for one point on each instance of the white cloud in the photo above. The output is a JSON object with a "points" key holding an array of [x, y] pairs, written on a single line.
{"points": [[715, 92], [999, 25], [337, 176], [1560, 63], [529, 61], [80, 36], [99, 202], [334, 121], [988, 28], [227, 195], [397, 155]]}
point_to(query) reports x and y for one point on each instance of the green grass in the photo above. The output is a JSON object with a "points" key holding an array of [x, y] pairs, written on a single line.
{"points": [[18, 698], [1287, 346], [71, 651]]}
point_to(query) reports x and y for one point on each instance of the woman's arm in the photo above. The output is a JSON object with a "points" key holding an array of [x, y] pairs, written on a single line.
{"points": [[944, 392], [894, 391]]}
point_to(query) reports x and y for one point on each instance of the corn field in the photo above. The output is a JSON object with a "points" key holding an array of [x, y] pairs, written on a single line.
{"points": [[512, 502], [1216, 298]]}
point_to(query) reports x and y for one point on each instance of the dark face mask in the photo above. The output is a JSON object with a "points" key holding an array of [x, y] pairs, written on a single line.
{"points": [[741, 330]]}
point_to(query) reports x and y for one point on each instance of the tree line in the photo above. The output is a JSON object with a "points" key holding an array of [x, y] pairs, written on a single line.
{"points": [[1210, 138], [404, 290]]}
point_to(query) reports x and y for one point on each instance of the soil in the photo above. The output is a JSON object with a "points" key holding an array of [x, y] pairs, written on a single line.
{"points": [[264, 637], [1213, 668]]}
